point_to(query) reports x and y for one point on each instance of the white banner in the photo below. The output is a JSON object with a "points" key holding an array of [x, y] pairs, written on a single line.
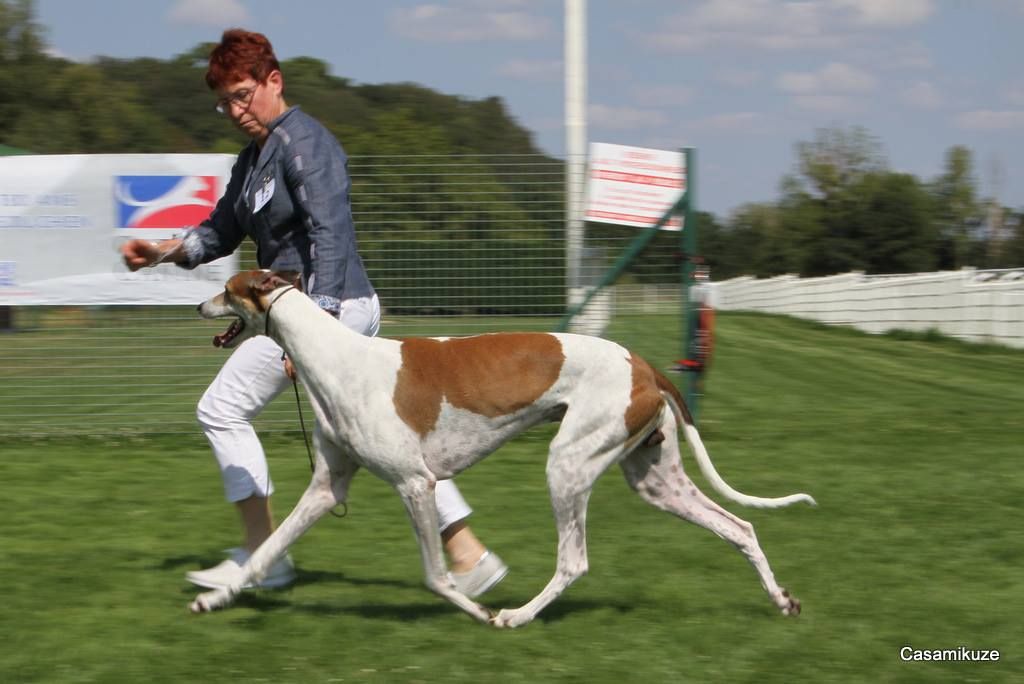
{"points": [[633, 186], [63, 218]]}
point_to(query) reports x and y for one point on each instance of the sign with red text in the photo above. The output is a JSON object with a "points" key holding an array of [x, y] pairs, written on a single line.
{"points": [[633, 186]]}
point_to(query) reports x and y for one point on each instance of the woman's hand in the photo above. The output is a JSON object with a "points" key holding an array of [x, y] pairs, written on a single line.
{"points": [[140, 254]]}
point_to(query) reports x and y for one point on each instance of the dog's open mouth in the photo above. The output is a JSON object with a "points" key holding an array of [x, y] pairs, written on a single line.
{"points": [[233, 331]]}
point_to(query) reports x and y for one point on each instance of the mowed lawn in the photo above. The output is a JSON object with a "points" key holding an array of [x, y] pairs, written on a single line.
{"points": [[913, 449]]}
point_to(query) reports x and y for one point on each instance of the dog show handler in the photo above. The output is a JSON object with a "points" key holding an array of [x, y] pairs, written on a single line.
{"points": [[288, 193]]}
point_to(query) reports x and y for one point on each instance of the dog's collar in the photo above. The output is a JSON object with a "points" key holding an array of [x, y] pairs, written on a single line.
{"points": [[266, 327]]}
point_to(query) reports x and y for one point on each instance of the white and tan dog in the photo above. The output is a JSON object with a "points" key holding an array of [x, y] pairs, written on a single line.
{"points": [[418, 410]]}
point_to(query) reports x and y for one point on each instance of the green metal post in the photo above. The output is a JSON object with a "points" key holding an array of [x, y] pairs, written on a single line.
{"points": [[612, 274]]}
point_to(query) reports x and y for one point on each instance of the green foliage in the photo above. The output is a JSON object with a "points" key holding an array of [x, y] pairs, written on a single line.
{"points": [[21, 38], [956, 207], [891, 220], [843, 210]]}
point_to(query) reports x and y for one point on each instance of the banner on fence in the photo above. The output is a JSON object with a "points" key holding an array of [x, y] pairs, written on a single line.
{"points": [[64, 217], [633, 186]]}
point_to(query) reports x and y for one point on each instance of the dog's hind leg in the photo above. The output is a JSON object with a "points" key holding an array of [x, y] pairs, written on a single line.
{"points": [[333, 472], [656, 473], [417, 494]]}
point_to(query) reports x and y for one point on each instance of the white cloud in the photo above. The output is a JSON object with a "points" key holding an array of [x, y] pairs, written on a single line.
{"points": [[737, 78], [989, 120], [922, 95], [786, 25], [830, 104], [467, 22], [750, 23], [662, 95], [887, 13], [1013, 5], [219, 13], [833, 78], [621, 118], [57, 54], [533, 69], [732, 121], [1014, 94]]}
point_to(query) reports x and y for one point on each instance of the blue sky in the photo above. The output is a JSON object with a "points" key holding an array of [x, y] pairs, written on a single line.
{"points": [[740, 80]]}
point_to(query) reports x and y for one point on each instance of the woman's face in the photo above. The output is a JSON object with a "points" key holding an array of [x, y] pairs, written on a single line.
{"points": [[253, 104]]}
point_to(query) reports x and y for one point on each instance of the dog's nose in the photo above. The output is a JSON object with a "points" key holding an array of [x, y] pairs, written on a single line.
{"points": [[199, 307]]}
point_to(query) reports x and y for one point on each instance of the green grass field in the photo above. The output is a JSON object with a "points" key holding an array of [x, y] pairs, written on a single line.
{"points": [[912, 447]]}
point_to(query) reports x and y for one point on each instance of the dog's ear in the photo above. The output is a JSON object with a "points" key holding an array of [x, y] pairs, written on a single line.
{"points": [[268, 282], [293, 278]]}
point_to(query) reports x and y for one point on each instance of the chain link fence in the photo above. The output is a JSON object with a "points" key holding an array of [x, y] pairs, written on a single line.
{"points": [[455, 245]]}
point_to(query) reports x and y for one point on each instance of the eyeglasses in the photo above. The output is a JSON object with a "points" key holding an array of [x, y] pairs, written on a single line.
{"points": [[241, 97]]}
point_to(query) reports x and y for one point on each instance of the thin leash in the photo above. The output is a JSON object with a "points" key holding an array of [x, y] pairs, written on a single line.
{"points": [[298, 402], [309, 451]]}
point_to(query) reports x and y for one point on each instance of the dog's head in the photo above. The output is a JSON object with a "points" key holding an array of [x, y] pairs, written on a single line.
{"points": [[247, 296]]}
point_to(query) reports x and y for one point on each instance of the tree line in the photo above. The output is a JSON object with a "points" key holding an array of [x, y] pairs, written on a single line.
{"points": [[840, 209]]}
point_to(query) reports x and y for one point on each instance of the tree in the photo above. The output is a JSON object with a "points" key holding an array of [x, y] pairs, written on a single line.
{"points": [[893, 220], [821, 196], [21, 38], [1014, 248], [21, 47], [836, 159], [956, 208]]}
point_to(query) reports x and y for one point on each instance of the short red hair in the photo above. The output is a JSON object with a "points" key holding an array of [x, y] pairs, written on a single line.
{"points": [[239, 55]]}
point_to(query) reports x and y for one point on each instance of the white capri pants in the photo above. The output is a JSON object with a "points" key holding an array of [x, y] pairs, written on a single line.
{"points": [[250, 379]]}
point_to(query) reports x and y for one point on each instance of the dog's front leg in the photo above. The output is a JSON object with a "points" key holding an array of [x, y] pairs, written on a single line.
{"points": [[327, 489], [418, 496]]}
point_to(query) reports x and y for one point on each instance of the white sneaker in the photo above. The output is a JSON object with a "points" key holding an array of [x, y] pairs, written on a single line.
{"points": [[281, 573], [487, 572]]}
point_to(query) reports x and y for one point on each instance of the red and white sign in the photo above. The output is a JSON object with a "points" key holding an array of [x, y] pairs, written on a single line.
{"points": [[633, 186]]}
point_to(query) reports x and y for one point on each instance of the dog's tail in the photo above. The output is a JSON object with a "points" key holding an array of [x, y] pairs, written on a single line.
{"points": [[675, 400]]}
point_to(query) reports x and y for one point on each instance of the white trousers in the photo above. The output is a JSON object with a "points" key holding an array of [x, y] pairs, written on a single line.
{"points": [[250, 379]]}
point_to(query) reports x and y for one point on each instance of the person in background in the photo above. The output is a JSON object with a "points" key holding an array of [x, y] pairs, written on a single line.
{"points": [[289, 193]]}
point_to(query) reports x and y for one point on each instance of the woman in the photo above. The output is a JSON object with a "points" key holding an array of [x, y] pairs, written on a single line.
{"points": [[289, 193]]}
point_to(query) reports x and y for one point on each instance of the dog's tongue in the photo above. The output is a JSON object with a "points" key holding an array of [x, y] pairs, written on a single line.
{"points": [[226, 336]]}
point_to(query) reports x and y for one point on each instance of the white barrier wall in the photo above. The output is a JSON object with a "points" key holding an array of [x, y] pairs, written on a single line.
{"points": [[973, 305]]}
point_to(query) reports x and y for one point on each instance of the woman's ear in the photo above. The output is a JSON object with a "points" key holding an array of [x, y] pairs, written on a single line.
{"points": [[275, 81]]}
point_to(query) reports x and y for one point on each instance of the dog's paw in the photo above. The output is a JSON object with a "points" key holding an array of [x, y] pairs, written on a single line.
{"points": [[210, 601], [510, 619], [200, 605], [790, 605]]}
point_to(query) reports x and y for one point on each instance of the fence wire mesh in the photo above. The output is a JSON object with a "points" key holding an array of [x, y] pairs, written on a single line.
{"points": [[455, 245]]}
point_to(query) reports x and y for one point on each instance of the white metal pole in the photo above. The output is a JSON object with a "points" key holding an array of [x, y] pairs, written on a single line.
{"points": [[575, 140]]}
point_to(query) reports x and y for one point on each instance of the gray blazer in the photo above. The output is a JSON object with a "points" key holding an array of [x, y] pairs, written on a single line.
{"points": [[292, 198]]}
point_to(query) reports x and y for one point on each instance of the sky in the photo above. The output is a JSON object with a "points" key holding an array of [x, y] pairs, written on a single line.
{"points": [[742, 81]]}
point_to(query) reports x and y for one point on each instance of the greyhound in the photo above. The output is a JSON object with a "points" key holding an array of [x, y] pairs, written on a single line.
{"points": [[415, 411]]}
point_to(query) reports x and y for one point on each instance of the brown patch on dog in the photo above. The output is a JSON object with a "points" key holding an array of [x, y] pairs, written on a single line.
{"points": [[490, 375], [666, 385], [644, 398], [255, 285]]}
